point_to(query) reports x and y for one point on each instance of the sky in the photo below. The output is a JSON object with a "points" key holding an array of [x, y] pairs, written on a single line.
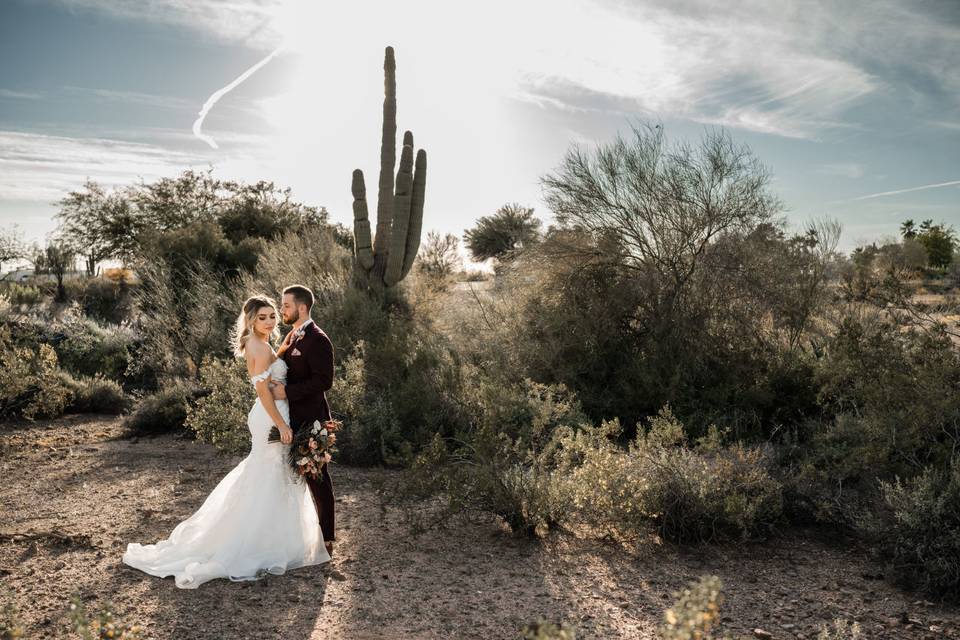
{"points": [[853, 106]]}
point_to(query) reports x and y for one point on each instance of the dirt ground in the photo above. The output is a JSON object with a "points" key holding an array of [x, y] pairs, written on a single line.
{"points": [[74, 492]]}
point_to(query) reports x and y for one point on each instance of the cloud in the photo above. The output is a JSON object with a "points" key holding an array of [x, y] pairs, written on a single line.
{"points": [[792, 70], [19, 95], [35, 167], [134, 98], [883, 194], [246, 21]]}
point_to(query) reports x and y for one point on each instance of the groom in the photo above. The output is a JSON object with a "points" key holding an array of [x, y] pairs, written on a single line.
{"points": [[308, 353]]}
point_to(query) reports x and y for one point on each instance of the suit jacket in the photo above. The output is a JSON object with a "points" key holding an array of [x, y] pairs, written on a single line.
{"points": [[309, 375]]}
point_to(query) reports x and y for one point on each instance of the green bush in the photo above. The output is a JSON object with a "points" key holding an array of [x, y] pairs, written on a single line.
{"points": [[30, 382], [103, 626], [369, 421], [901, 384], [528, 411], [164, 411], [22, 294], [406, 383], [922, 539], [543, 630], [106, 300], [184, 315], [890, 409], [709, 492], [219, 416], [695, 613], [83, 346], [489, 474], [96, 395]]}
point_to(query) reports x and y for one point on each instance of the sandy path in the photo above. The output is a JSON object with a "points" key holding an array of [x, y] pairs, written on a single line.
{"points": [[74, 493]]}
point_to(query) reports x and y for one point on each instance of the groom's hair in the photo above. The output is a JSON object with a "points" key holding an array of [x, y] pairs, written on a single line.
{"points": [[301, 294]]}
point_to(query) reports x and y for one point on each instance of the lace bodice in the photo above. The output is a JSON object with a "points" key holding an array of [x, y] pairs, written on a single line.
{"points": [[277, 371]]}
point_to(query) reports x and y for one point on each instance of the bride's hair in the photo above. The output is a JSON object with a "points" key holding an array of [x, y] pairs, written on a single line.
{"points": [[244, 326]]}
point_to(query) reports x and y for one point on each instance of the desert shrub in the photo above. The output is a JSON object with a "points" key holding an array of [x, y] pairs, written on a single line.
{"points": [[490, 474], [368, 421], [106, 300], [83, 346], [890, 408], [10, 625], [708, 492], [96, 395], [528, 412], [103, 626], [411, 376], [695, 613], [22, 294], [580, 475], [283, 262], [544, 630], [184, 315], [219, 416], [922, 540], [633, 309], [30, 382], [839, 630], [475, 275], [90, 349], [902, 383], [163, 411]]}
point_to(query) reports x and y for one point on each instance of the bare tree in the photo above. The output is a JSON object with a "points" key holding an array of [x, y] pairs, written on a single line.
{"points": [[659, 207], [440, 256], [57, 259], [12, 245]]}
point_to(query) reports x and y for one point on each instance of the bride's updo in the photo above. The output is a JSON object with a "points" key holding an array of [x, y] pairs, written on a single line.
{"points": [[246, 319]]}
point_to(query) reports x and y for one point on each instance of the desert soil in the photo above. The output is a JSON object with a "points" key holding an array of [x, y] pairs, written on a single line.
{"points": [[75, 491]]}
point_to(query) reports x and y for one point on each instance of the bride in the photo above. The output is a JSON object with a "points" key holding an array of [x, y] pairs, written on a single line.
{"points": [[261, 517]]}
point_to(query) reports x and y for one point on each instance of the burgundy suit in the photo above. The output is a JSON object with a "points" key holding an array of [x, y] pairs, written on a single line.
{"points": [[309, 374]]}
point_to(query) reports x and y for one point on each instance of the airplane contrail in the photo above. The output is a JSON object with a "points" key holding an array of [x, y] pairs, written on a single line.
{"points": [[893, 193], [212, 100]]}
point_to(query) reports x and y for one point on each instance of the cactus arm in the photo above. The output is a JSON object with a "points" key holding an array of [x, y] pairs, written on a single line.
{"points": [[416, 213], [361, 222], [388, 158], [401, 217]]}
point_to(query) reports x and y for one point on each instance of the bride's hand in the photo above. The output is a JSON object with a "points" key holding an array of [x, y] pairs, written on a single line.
{"points": [[286, 434]]}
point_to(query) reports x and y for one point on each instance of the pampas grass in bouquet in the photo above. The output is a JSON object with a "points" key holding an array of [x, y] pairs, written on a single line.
{"points": [[311, 448]]}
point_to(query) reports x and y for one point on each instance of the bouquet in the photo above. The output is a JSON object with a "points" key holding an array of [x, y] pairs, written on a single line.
{"points": [[311, 447]]}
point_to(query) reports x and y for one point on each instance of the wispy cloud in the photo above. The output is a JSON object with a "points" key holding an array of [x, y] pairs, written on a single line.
{"points": [[38, 167], [131, 97], [248, 21], [883, 194], [793, 70], [19, 95]]}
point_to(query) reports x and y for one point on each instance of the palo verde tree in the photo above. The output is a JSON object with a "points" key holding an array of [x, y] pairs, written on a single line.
{"points": [[500, 236]]}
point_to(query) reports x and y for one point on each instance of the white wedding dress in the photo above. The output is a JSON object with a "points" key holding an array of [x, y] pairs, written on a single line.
{"points": [[259, 519]]}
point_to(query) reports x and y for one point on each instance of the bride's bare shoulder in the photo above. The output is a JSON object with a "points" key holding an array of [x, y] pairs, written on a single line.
{"points": [[258, 356]]}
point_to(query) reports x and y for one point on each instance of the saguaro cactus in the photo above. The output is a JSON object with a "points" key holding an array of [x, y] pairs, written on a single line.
{"points": [[388, 259]]}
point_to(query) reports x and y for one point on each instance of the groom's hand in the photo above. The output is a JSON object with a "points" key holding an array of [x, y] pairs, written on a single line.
{"points": [[279, 392]]}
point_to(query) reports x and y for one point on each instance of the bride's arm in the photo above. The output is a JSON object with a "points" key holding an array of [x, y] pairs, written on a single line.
{"points": [[257, 364]]}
